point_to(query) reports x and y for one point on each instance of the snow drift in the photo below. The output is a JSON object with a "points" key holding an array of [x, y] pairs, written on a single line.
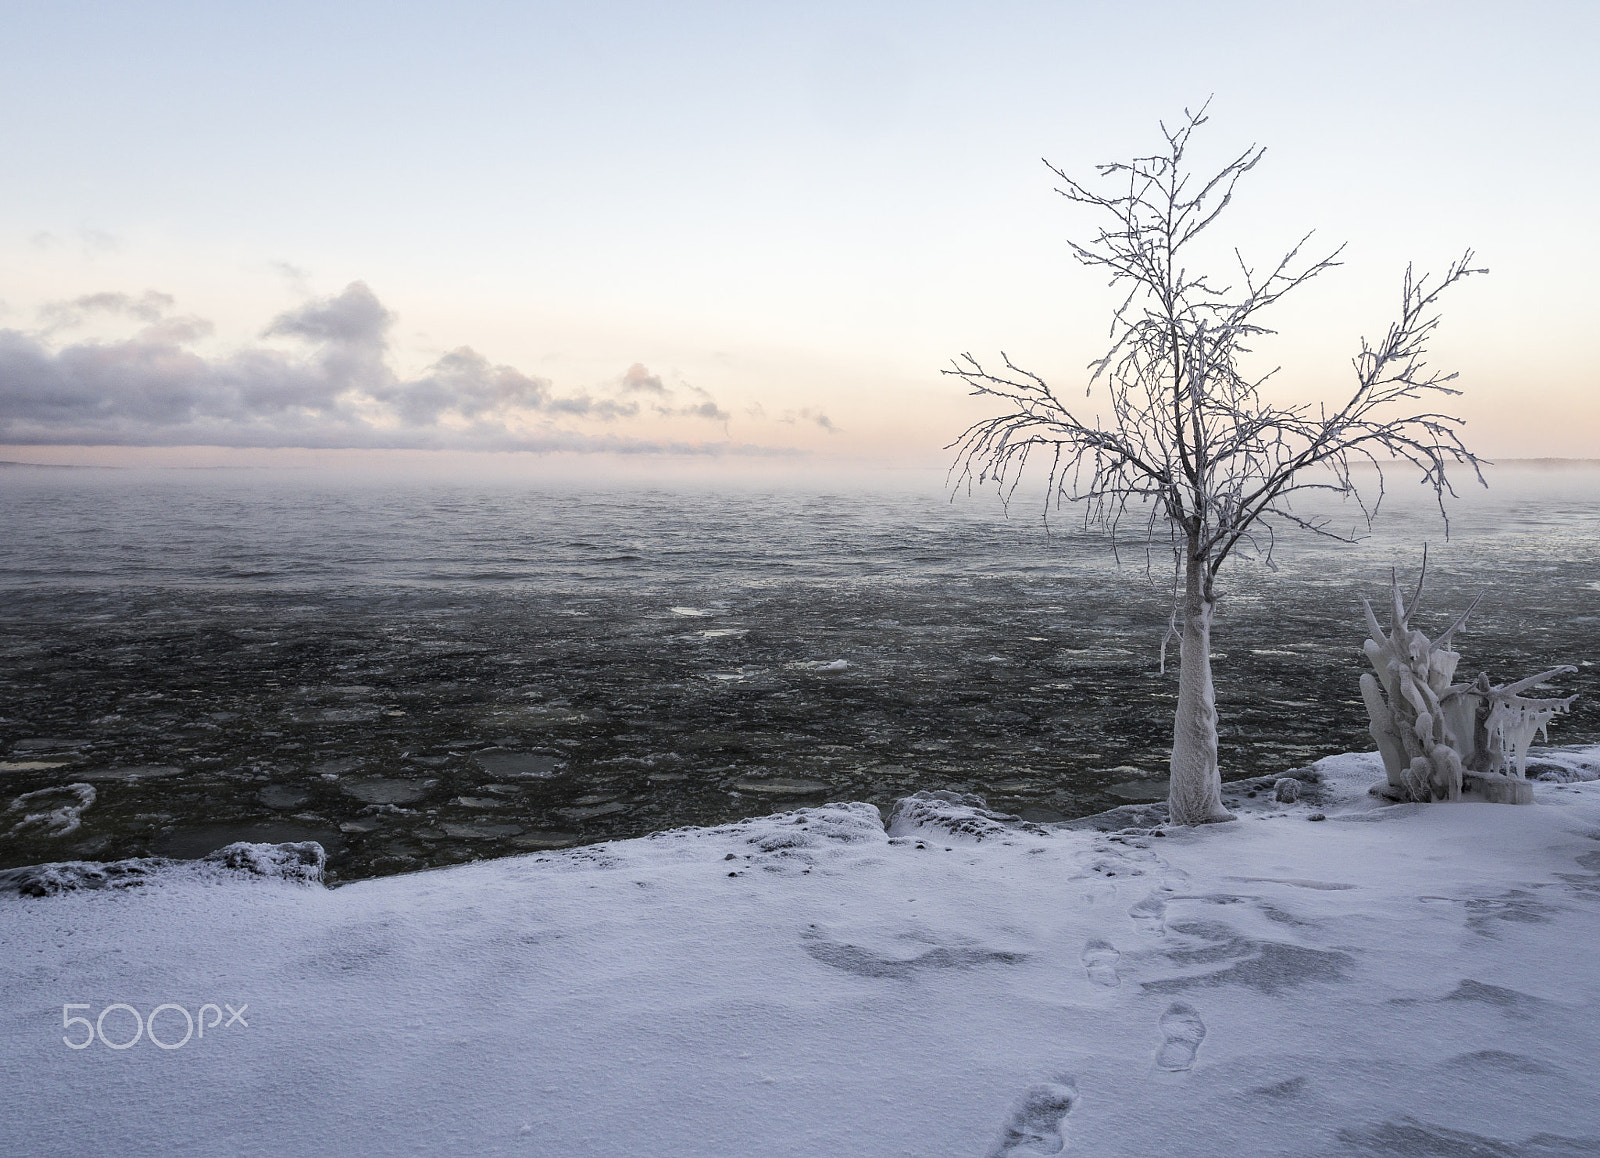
{"points": [[1329, 976]]}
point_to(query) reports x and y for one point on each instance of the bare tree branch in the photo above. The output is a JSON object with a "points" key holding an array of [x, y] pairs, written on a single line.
{"points": [[1183, 427]]}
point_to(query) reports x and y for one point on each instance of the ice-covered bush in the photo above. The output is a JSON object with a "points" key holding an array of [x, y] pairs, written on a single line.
{"points": [[1438, 737]]}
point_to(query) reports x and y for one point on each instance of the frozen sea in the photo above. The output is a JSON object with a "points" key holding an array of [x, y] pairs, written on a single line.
{"points": [[421, 673]]}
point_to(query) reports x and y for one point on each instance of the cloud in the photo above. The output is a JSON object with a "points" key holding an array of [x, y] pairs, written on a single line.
{"points": [[706, 408], [150, 306], [332, 387], [636, 380], [808, 415], [354, 318]]}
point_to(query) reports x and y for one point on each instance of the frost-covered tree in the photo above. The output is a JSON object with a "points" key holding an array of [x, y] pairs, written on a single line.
{"points": [[1182, 436]]}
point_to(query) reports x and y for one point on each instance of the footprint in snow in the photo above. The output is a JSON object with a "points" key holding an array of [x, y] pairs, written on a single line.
{"points": [[1150, 913], [1100, 963], [1038, 1119], [1182, 1031], [1100, 892]]}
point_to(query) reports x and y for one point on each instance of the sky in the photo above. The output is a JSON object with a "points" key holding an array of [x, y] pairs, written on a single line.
{"points": [[738, 232]]}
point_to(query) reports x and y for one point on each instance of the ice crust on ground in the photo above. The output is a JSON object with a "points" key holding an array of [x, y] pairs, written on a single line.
{"points": [[1405, 979]]}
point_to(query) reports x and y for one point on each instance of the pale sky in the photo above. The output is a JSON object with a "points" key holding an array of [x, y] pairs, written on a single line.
{"points": [[749, 229]]}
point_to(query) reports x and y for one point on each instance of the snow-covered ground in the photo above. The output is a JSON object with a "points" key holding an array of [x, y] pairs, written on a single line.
{"points": [[1411, 979]]}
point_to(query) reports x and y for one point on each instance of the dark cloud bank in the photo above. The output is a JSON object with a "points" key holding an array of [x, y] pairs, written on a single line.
{"points": [[336, 391]]}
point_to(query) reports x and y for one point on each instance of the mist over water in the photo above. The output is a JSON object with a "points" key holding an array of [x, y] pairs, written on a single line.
{"points": [[422, 672]]}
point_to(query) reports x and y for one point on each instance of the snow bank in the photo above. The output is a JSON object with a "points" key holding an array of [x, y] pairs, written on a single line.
{"points": [[302, 863], [1410, 979]]}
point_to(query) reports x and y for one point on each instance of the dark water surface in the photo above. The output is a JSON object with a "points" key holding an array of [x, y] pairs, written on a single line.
{"points": [[432, 673]]}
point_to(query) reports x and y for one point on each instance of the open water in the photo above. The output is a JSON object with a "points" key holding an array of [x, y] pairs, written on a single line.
{"points": [[428, 673]]}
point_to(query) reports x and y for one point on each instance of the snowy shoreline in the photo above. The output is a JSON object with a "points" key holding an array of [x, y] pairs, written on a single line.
{"points": [[1400, 979]]}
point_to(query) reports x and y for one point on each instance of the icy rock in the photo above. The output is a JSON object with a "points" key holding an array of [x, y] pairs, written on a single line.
{"points": [[1562, 773], [958, 815], [1553, 773], [1286, 790], [301, 863], [47, 880]]}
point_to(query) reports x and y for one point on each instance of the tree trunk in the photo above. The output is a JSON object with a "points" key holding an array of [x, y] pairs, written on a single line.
{"points": [[1194, 795]]}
